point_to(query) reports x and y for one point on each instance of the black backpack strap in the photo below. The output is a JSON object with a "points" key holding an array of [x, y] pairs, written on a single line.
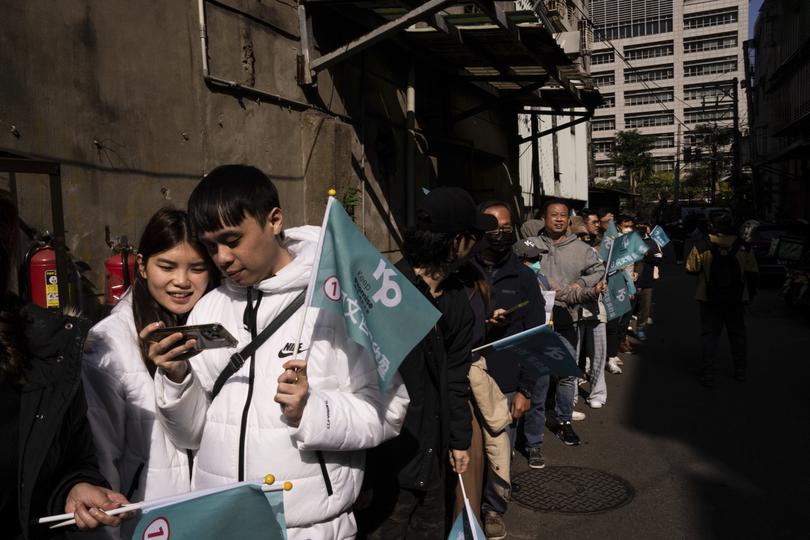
{"points": [[238, 359]]}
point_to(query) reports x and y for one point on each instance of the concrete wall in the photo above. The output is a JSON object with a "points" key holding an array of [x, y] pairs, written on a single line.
{"points": [[114, 91]]}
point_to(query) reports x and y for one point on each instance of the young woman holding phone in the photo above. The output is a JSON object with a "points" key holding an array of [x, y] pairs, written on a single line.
{"points": [[135, 454]]}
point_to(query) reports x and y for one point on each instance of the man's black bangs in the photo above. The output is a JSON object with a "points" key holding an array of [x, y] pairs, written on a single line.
{"points": [[214, 210]]}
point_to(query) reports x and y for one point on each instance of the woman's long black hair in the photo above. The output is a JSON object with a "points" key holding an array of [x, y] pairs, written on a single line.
{"points": [[166, 229]]}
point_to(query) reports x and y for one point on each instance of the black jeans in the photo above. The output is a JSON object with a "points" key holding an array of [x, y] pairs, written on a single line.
{"points": [[398, 514], [713, 317]]}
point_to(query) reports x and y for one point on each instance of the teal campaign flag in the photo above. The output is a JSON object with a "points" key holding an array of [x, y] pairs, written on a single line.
{"points": [[243, 511], [542, 350], [383, 311], [466, 526], [627, 249], [607, 240], [617, 296], [659, 236]]}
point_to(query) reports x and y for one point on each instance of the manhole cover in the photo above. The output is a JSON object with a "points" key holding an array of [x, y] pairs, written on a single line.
{"points": [[571, 490]]}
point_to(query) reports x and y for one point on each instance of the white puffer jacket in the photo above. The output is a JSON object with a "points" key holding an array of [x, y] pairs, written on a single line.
{"points": [[133, 450], [345, 411]]}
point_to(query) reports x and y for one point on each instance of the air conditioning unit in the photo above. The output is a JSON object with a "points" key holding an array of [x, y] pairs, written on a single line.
{"points": [[557, 8], [585, 37]]}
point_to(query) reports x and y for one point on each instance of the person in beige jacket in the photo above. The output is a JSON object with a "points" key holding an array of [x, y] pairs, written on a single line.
{"points": [[727, 276]]}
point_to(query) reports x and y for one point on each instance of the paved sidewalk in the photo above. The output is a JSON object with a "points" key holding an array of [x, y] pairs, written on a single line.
{"points": [[728, 462]]}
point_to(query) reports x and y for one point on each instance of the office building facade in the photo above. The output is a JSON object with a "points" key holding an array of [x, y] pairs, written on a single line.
{"points": [[664, 66]]}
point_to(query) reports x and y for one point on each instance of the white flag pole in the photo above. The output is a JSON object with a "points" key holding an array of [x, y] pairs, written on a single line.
{"points": [[468, 510], [610, 257], [314, 276], [164, 501]]}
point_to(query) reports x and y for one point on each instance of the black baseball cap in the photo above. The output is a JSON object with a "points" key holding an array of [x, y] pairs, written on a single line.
{"points": [[526, 249], [452, 210]]}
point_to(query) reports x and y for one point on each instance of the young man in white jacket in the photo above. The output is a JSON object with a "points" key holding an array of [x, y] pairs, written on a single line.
{"points": [[304, 422]]}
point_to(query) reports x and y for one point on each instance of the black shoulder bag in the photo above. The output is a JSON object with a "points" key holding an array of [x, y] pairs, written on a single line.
{"points": [[238, 358]]}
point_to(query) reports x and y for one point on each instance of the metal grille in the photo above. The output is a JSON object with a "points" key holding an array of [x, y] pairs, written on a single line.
{"points": [[571, 490]]}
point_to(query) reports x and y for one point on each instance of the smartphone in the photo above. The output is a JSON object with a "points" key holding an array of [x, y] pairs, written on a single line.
{"points": [[517, 307], [208, 336]]}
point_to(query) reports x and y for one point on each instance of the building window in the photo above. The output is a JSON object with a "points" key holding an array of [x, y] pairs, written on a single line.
{"points": [[709, 92], [605, 169], [603, 123], [664, 140], [710, 18], [653, 73], [602, 146], [608, 101], [710, 43], [644, 27], [665, 164], [604, 78], [655, 50], [727, 64], [648, 120], [703, 115], [603, 58], [646, 97]]}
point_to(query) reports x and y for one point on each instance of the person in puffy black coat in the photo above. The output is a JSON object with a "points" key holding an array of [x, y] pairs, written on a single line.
{"points": [[47, 457]]}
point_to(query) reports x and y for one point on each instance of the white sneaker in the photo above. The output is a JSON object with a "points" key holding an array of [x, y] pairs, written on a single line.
{"points": [[595, 404], [649, 321], [618, 360], [576, 415], [613, 367]]}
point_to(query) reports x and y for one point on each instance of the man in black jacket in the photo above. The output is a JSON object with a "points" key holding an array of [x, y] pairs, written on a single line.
{"points": [[407, 474], [517, 305]]}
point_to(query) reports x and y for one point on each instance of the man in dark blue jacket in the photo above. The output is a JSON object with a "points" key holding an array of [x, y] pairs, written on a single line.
{"points": [[513, 285]]}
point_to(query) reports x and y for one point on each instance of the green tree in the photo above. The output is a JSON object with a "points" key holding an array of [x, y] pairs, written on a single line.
{"points": [[632, 153]]}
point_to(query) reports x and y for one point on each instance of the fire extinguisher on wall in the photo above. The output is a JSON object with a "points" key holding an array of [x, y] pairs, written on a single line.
{"points": [[120, 268], [42, 280]]}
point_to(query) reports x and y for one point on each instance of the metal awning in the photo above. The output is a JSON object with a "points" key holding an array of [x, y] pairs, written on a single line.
{"points": [[511, 54]]}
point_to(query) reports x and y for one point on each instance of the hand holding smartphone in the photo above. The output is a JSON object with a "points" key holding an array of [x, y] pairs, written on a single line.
{"points": [[206, 336]]}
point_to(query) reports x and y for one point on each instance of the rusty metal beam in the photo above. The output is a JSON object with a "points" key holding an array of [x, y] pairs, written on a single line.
{"points": [[378, 34]]}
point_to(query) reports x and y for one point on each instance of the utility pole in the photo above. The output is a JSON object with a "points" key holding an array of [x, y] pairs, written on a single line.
{"points": [[737, 163], [537, 183], [676, 183]]}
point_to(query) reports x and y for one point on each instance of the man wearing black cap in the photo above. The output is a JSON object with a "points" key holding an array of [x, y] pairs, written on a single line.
{"points": [[407, 474]]}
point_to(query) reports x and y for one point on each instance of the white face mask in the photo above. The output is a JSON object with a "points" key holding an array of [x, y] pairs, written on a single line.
{"points": [[627, 230]]}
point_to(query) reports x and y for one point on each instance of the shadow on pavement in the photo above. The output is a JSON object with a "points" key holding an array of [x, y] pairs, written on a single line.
{"points": [[751, 440]]}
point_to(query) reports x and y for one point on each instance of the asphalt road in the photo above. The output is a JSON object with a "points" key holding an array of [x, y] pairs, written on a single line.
{"points": [[727, 462]]}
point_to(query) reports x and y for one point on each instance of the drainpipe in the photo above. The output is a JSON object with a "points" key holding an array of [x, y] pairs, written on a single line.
{"points": [[410, 147]]}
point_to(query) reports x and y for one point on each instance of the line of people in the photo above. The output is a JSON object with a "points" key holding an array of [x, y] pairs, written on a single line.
{"points": [[365, 463]]}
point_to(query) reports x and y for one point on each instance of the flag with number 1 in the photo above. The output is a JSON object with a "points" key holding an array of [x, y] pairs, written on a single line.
{"points": [[383, 311]]}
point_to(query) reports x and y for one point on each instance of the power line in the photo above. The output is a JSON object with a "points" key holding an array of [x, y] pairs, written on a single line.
{"points": [[643, 82]]}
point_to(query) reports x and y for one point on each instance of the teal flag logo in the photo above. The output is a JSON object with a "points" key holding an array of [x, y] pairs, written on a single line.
{"points": [[242, 511], [617, 297], [542, 350], [627, 249], [659, 236], [383, 311], [607, 240]]}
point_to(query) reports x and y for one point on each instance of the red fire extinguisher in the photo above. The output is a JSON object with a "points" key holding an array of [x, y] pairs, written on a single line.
{"points": [[43, 282], [120, 268]]}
